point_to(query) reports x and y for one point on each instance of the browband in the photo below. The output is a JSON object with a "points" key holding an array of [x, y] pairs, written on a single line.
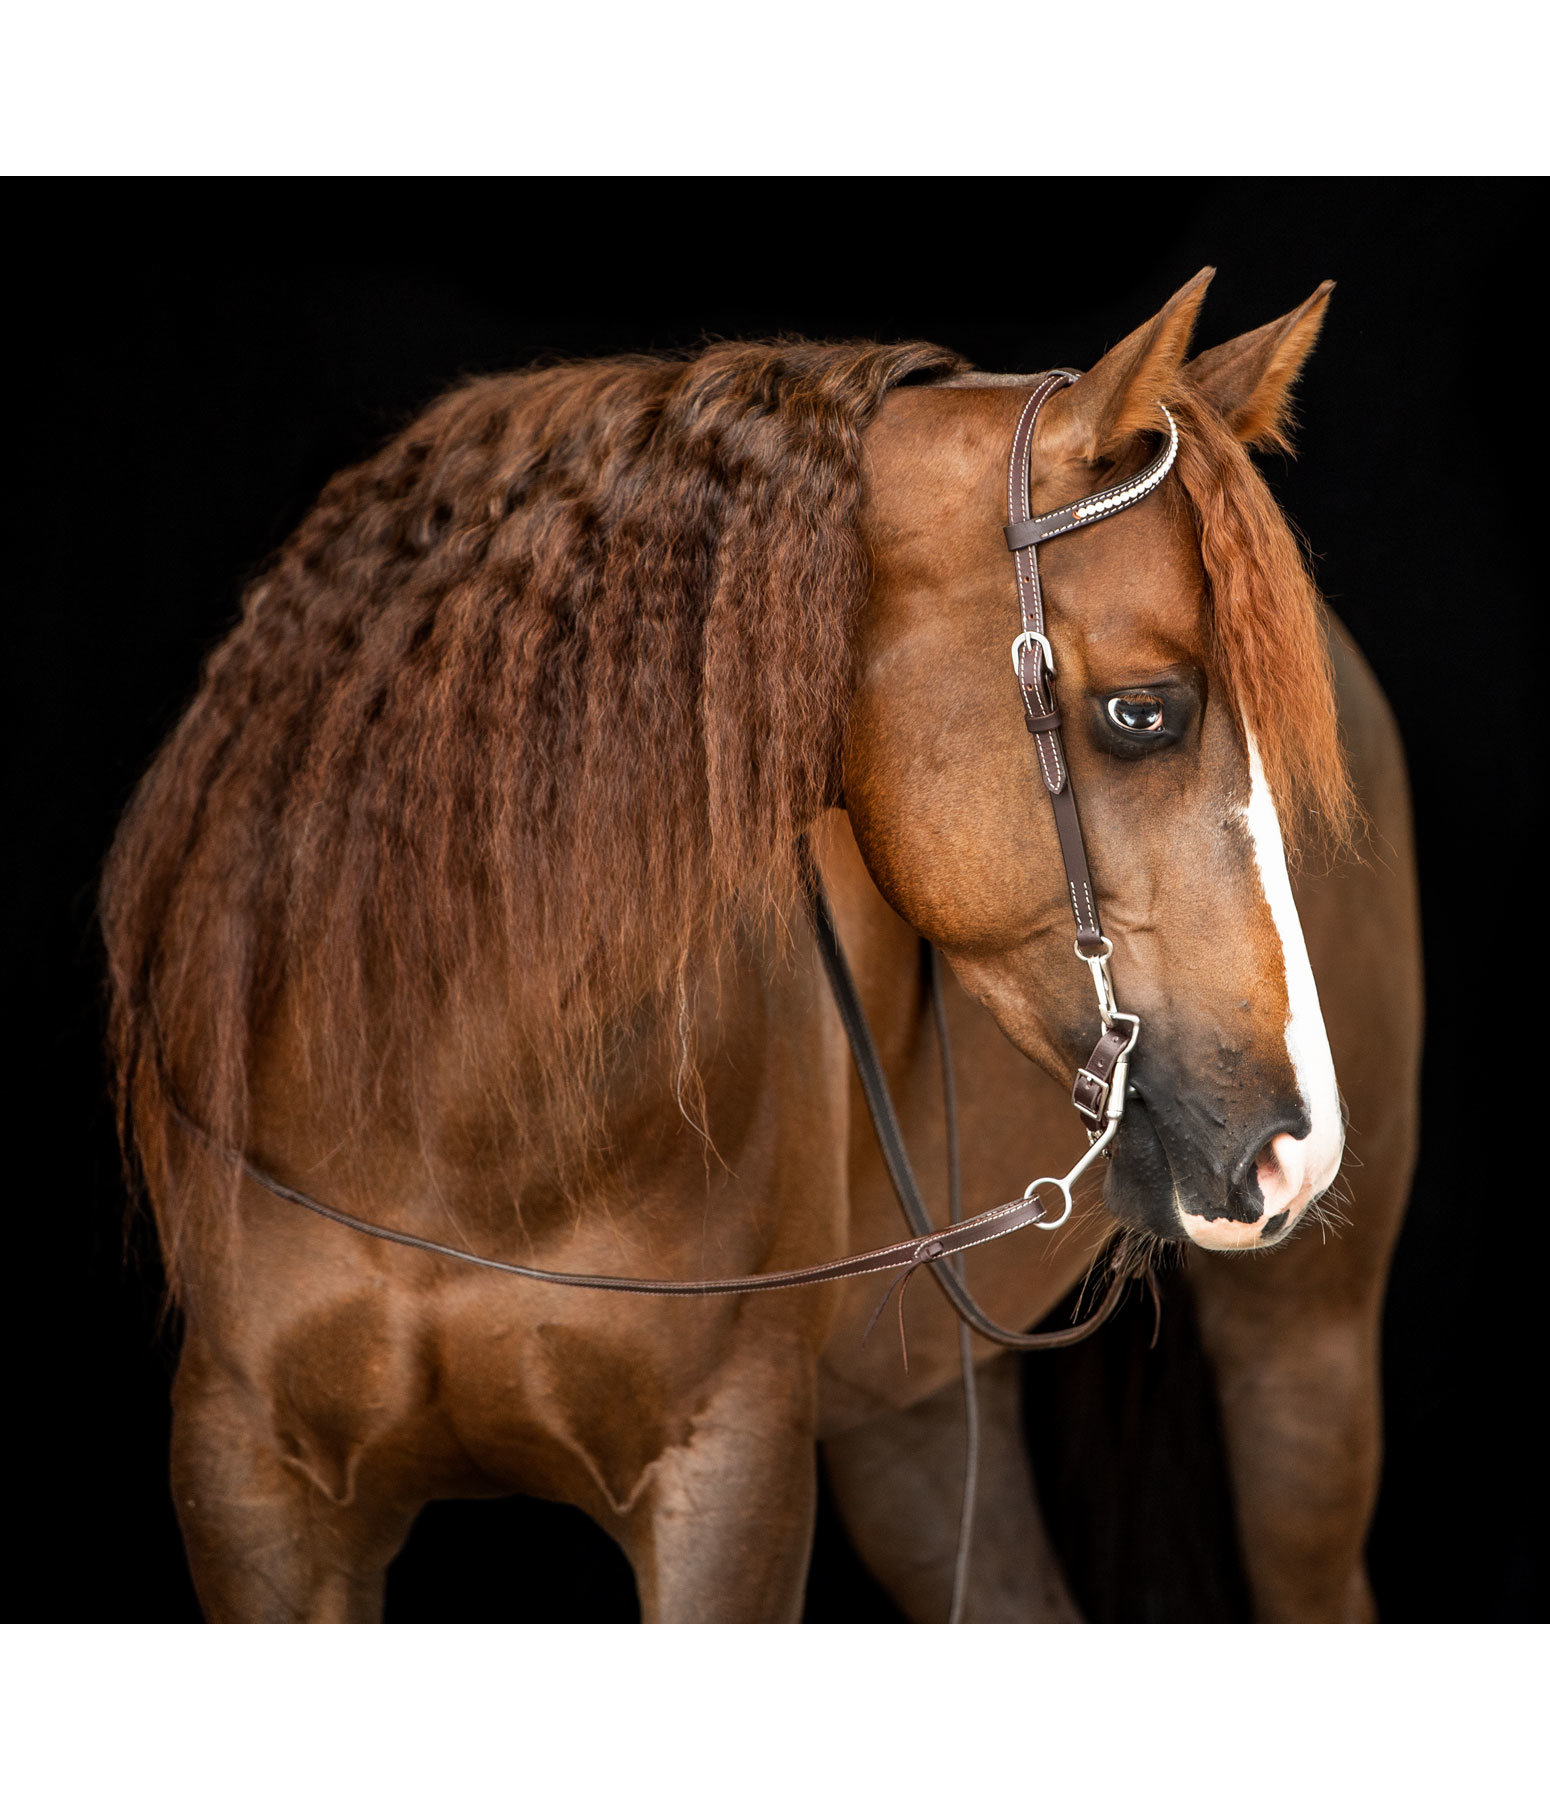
{"points": [[1100, 505]]}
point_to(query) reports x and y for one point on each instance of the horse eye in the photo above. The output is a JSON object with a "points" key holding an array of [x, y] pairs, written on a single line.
{"points": [[1137, 712]]}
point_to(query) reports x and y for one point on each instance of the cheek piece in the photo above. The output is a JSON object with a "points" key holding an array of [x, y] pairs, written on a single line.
{"points": [[1098, 1092]]}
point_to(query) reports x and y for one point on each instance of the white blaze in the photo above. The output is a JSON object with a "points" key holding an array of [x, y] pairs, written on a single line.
{"points": [[1311, 1163]]}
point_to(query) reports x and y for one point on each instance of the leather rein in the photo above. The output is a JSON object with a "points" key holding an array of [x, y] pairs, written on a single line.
{"points": [[1098, 1092]]}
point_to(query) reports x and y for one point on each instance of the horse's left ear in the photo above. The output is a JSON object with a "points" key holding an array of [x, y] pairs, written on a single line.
{"points": [[1249, 378]]}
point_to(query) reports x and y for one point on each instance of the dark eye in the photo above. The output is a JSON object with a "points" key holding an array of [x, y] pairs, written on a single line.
{"points": [[1137, 712]]}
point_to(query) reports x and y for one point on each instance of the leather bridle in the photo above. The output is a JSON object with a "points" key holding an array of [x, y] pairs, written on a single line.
{"points": [[1098, 1092]]}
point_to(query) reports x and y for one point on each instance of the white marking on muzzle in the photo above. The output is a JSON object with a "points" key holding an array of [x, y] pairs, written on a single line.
{"points": [[1291, 1171], [1295, 1170]]}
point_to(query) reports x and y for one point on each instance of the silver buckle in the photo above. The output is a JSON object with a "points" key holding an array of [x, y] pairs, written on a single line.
{"points": [[1096, 1107], [1021, 642]]}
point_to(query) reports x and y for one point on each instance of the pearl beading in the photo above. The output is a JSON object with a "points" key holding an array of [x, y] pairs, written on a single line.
{"points": [[1116, 498]]}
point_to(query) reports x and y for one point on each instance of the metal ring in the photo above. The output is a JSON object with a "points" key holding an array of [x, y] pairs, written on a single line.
{"points": [[1053, 1181], [1102, 956], [1031, 637]]}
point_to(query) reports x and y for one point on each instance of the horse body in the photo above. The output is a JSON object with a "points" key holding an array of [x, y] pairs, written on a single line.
{"points": [[330, 1386]]}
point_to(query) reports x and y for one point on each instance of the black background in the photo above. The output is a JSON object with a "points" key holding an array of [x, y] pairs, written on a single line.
{"points": [[189, 364]]}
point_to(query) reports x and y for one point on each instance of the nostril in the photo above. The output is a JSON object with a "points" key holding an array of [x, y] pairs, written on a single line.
{"points": [[1281, 1169]]}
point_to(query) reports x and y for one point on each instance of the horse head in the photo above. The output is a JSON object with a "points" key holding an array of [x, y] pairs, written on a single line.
{"points": [[1198, 715]]}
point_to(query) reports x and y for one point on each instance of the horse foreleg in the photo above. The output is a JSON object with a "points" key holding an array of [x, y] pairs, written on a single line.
{"points": [[898, 1484], [1298, 1382], [723, 1528], [265, 1541]]}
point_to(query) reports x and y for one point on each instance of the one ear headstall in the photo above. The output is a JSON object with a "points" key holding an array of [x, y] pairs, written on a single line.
{"points": [[1098, 1093]]}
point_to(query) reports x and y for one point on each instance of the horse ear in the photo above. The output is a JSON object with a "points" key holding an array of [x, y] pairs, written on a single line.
{"points": [[1118, 396], [1249, 379]]}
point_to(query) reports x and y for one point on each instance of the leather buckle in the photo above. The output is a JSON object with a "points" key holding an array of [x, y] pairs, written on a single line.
{"points": [[1090, 1108]]}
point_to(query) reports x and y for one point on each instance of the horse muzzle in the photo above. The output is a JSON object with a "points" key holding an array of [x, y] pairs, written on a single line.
{"points": [[1182, 1179]]}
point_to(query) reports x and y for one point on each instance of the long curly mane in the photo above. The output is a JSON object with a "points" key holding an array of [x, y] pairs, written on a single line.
{"points": [[542, 695]]}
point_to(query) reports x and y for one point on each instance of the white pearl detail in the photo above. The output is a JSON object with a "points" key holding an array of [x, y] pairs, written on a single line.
{"points": [[1098, 505]]}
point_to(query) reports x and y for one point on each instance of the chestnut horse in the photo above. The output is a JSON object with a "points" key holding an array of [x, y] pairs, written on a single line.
{"points": [[466, 896]]}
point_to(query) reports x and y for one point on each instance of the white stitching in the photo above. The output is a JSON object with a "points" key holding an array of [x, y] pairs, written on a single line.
{"points": [[1060, 778], [1025, 561], [1033, 400], [1019, 511], [1110, 500], [1076, 906]]}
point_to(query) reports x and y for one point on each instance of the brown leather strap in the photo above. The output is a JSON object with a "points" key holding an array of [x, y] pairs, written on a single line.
{"points": [[983, 1228], [1029, 532], [890, 1140], [971, 1406], [1090, 1090], [1041, 714]]}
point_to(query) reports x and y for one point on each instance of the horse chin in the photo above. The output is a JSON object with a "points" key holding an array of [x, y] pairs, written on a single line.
{"points": [[1236, 1234], [1140, 1190]]}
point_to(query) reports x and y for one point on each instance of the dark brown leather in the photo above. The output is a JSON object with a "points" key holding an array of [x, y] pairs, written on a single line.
{"points": [[1038, 702], [1029, 532], [1049, 721], [1090, 1090], [890, 1140], [983, 1228], [1034, 531]]}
